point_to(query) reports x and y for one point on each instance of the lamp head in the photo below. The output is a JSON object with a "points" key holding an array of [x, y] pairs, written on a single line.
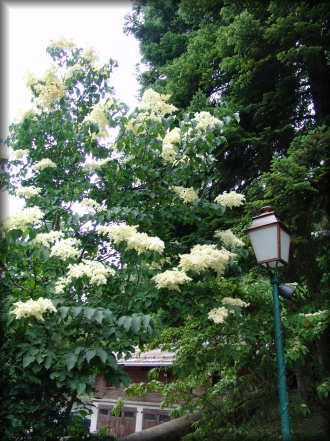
{"points": [[269, 238]]}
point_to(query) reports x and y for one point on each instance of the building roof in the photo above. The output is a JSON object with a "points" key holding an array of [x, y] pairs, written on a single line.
{"points": [[155, 357]]}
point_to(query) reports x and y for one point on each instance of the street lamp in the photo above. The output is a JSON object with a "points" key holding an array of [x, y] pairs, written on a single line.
{"points": [[271, 243]]}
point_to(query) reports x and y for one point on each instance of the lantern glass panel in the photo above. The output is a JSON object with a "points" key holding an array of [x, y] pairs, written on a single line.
{"points": [[264, 242], [285, 245]]}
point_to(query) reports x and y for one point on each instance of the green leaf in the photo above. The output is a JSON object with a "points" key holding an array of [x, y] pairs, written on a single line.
{"points": [[76, 310], [136, 323], [89, 312], [108, 314], [102, 354], [81, 388], [70, 361], [28, 359], [99, 316], [48, 361], [125, 321], [90, 354], [63, 310]]}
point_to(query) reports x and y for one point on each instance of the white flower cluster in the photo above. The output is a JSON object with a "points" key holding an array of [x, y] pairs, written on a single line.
{"points": [[66, 248], [28, 191], [18, 154], [60, 285], [22, 219], [140, 242], [33, 308], [171, 279], [187, 194], [228, 238], [92, 165], [218, 315], [96, 271], [50, 87], [313, 314], [73, 69], [202, 257], [44, 163], [62, 43], [118, 233], [47, 239], [93, 205], [170, 148], [90, 54], [205, 120], [235, 302], [99, 115], [230, 200], [156, 103]]}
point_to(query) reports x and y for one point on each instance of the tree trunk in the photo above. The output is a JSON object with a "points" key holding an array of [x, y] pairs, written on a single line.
{"points": [[170, 431]]}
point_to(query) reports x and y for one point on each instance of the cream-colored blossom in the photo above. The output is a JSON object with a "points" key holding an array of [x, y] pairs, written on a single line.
{"points": [[230, 200], [99, 115], [33, 308], [49, 87], [62, 43], [170, 145], [229, 238], [218, 315], [90, 54], [314, 314], [141, 242], [73, 69], [96, 271], [44, 163], [60, 284], [156, 103], [117, 232], [28, 191], [171, 279], [18, 154], [66, 248], [205, 120], [23, 218], [187, 194], [47, 239], [234, 302], [90, 203], [202, 257], [91, 165]]}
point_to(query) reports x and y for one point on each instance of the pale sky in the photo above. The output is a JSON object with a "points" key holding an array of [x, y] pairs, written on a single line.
{"points": [[30, 29]]}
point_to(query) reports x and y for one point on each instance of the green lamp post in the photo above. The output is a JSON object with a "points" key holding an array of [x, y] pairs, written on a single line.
{"points": [[271, 243]]}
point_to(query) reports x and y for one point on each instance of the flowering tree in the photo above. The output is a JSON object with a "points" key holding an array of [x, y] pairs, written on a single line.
{"points": [[117, 211]]}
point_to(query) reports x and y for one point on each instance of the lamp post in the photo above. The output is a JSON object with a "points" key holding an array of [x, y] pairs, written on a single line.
{"points": [[271, 243]]}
